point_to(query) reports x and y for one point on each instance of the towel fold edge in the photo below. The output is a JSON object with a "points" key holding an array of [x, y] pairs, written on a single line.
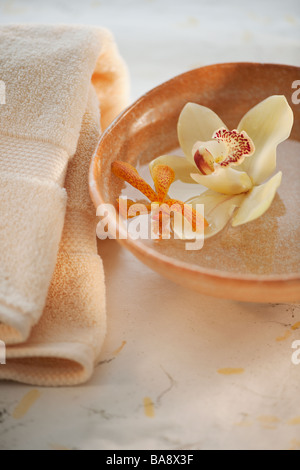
{"points": [[67, 364]]}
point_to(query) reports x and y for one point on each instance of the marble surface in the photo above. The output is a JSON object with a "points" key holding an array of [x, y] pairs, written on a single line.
{"points": [[179, 370]]}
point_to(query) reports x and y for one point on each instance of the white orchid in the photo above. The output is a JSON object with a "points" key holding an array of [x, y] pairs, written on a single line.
{"points": [[234, 165]]}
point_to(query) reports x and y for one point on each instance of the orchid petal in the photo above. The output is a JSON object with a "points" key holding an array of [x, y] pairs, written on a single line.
{"points": [[195, 219], [128, 173], [163, 176], [225, 181], [160, 221], [183, 229], [218, 209], [268, 124], [124, 205], [196, 123], [128, 208], [258, 201], [181, 167]]}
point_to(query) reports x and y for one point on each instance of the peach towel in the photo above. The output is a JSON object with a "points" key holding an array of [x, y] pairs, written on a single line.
{"points": [[52, 113]]}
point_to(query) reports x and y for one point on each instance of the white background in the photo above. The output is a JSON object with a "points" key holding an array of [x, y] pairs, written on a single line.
{"points": [[175, 340]]}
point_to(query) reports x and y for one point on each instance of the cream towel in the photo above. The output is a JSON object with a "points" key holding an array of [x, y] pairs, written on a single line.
{"points": [[46, 111]]}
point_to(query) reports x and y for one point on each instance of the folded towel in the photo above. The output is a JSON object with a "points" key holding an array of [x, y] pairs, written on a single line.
{"points": [[52, 110]]}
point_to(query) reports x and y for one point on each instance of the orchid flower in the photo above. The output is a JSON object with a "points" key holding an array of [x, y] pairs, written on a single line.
{"points": [[163, 176], [235, 164]]}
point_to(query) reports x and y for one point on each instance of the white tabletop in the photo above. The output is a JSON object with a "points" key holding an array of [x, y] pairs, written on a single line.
{"points": [[179, 370]]}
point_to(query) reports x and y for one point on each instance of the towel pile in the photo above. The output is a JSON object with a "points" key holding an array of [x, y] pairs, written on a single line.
{"points": [[62, 86]]}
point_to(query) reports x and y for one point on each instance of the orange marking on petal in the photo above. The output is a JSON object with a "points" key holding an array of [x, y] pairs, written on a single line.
{"points": [[137, 209], [239, 146], [193, 217], [124, 206], [127, 208], [161, 220], [128, 173], [163, 176]]}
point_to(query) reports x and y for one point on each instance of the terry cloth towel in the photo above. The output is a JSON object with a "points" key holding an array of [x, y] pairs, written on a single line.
{"points": [[55, 78]]}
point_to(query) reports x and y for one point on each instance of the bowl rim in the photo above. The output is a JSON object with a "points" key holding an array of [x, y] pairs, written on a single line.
{"points": [[144, 251]]}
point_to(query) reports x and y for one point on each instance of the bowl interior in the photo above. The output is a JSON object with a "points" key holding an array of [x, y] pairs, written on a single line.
{"points": [[266, 248]]}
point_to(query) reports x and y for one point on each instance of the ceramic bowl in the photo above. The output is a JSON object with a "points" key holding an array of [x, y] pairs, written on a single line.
{"points": [[257, 262]]}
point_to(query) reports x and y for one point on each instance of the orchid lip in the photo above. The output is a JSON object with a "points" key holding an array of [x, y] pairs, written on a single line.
{"points": [[239, 146], [227, 148]]}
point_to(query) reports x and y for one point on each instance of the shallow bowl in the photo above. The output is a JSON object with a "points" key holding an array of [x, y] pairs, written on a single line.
{"points": [[257, 262]]}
